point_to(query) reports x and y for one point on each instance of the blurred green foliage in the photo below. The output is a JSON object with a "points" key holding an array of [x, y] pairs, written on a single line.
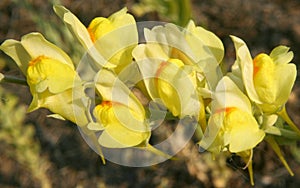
{"points": [[176, 11], [23, 147]]}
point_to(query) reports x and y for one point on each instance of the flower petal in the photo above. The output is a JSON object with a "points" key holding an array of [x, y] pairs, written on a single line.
{"points": [[245, 63], [245, 133], [74, 25], [118, 136], [36, 45], [227, 94], [208, 38], [285, 83], [17, 52], [113, 89], [81, 33], [62, 104], [281, 55], [46, 73]]}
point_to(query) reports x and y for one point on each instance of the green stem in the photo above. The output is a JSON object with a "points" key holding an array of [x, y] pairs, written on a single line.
{"points": [[15, 80], [277, 150], [287, 119]]}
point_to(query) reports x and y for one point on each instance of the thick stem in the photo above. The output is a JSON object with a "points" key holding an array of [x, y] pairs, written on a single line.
{"points": [[286, 118], [15, 80]]}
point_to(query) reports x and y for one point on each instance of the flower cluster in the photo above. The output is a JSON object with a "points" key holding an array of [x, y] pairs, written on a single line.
{"points": [[176, 68]]}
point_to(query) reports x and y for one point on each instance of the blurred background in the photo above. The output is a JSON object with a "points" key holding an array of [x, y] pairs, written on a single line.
{"points": [[36, 151]]}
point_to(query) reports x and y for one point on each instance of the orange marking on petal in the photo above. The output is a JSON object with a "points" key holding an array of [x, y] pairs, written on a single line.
{"points": [[110, 103], [107, 103], [159, 70], [226, 110], [230, 109], [92, 35], [36, 60], [255, 67]]}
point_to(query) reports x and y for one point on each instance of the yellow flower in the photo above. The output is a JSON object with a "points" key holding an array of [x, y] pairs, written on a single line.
{"points": [[273, 81], [169, 81], [231, 125], [268, 79], [203, 42], [180, 65], [236, 125], [166, 91], [120, 115], [175, 67], [109, 41], [192, 45], [50, 75], [118, 130], [176, 87]]}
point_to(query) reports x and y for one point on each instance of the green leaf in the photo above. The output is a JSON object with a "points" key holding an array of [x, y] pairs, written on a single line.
{"points": [[290, 134]]}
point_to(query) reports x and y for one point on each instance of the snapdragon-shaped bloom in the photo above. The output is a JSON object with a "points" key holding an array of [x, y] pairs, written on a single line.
{"points": [[273, 90], [109, 41], [120, 115], [268, 81], [122, 126], [232, 125], [50, 74], [262, 76], [175, 63], [169, 81], [193, 45]]}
